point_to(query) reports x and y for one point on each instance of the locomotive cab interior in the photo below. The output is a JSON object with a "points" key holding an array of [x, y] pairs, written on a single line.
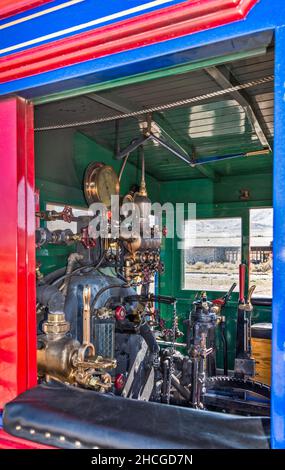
{"points": [[174, 324]]}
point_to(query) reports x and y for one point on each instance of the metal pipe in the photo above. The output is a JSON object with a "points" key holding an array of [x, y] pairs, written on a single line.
{"points": [[123, 166], [170, 344], [73, 259], [185, 158], [242, 273], [145, 331], [182, 390], [218, 158], [50, 297], [225, 348], [117, 133], [135, 143], [143, 168]]}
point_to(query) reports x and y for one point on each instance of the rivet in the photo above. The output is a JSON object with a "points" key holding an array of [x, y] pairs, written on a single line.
{"points": [[47, 435], [18, 428], [62, 438], [32, 431], [77, 443]]}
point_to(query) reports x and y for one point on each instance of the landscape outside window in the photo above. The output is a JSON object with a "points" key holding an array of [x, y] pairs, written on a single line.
{"points": [[211, 261], [261, 238]]}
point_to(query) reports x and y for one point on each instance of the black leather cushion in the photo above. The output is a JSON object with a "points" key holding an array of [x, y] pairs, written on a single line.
{"points": [[77, 418]]}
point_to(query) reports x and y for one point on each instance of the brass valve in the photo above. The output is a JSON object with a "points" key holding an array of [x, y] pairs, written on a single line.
{"points": [[66, 215], [56, 324], [63, 358]]}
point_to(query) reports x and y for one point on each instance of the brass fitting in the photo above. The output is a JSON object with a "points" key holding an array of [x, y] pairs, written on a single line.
{"points": [[56, 324], [39, 275], [63, 358], [101, 383]]}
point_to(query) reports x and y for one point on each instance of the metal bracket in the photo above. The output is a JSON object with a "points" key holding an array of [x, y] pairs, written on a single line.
{"points": [[219, 75]]}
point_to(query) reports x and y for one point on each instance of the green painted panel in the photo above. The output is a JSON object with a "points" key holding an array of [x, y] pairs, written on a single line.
{"points": [[61, 159], [219, 199], [226, 189]]}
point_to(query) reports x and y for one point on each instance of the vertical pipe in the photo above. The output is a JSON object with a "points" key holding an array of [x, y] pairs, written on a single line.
{"points": [[242, 273], [246, 247], [278, 304], [86, 314], [241, 325]]}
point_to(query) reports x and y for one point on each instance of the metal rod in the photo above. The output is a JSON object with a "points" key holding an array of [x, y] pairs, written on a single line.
{"points": [[258, 152], [169, 147], [123, 166], [86, 314], [170, 343], [132, 146], [117, 133], [143, 169], [218, 158]]}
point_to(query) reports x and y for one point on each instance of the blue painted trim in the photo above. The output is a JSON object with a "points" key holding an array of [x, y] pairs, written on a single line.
{"points": [[261, 18], [278, 302], [76, 15]]}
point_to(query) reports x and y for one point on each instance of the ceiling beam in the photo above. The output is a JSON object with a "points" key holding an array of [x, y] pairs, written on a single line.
{"points": [[160, 124], [220, 76]]}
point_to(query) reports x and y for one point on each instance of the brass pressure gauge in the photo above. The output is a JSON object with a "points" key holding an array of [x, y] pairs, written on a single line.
{"points": [[100, 183]]}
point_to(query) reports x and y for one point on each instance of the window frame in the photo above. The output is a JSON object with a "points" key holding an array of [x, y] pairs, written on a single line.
{"points": [[183, 288], [261, 298], [171, 282]]}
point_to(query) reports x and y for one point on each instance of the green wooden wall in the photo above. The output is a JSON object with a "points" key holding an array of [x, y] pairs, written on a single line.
{"points": [[214, 199], [61, 159]]}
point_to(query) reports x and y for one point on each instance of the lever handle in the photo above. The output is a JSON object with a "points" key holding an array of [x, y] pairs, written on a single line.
{"points": [[250, 292], [86, 314], [242, 270]]}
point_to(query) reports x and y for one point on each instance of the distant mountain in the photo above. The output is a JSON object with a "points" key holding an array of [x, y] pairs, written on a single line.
{"points": [[213, 232]]}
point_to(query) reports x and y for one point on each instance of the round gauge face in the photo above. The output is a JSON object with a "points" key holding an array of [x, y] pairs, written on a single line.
{"points": [[100, 183]]}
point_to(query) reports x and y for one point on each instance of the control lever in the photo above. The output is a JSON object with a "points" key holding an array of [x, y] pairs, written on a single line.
{"points": [[219, 305], [87, 348], [222, 301], [244, 363], [86, 314]]}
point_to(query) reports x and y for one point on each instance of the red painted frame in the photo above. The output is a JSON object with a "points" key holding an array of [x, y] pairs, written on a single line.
{"points": [[13, 7], [7, 441], [154, 27], [17, 245], [17, 250]]}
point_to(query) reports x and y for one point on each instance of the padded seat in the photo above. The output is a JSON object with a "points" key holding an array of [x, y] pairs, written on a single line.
{"points": [[69, 417]]}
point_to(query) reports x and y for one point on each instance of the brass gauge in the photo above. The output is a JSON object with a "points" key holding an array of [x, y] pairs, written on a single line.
{"points": [[100, 183]]}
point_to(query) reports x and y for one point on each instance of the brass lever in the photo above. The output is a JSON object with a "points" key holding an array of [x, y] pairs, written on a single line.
{"points": [[86, 314]]}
